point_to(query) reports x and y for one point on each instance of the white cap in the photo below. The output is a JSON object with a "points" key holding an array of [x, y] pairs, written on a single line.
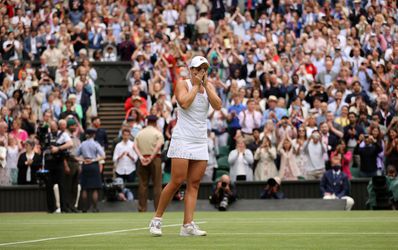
{"points": [[278, 180], [197, 61]]}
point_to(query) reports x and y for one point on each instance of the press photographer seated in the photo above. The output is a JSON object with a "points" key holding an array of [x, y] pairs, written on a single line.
{"points": [[273, 189], [115, 190], [224, 194]]}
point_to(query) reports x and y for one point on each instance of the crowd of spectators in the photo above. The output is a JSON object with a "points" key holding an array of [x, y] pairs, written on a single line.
{"points": [[300, 80]]}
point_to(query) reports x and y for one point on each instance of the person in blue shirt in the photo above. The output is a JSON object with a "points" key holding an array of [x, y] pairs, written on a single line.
{"points": [[273, 112], [335, 183], [90, 153], [233, 118]]}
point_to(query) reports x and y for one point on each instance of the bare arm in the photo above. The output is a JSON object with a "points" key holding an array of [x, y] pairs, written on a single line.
{"points": [[214, 99], [185, 97]]}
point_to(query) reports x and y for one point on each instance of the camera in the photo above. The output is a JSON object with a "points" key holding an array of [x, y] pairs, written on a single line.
{"points": [[48, 140], [42, 177], [224, 184], [112, 188], [223, 204], [271, 182]]}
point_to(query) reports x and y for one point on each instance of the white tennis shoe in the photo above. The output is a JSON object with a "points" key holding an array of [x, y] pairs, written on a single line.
{"points": [[191, 230], [155, 227]]}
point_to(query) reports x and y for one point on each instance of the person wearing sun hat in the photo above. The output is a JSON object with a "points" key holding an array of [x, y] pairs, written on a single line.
{"points": [[273, 112], [188, 148]]}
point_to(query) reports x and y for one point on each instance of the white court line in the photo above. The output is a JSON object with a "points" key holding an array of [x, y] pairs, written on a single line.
{"points": [[85, 235]]}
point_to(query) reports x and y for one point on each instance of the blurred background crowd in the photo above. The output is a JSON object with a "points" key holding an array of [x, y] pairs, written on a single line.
{"points": [[300, 81]]}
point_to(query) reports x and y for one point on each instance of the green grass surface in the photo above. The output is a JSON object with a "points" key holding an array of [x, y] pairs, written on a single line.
{"points": [[229, 230]]}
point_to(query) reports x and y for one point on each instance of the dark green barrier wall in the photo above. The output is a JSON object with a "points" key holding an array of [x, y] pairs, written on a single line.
{"points": [[31, 198], [111, 80]]}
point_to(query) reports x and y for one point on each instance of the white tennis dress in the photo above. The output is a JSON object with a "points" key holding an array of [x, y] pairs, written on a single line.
{"points": [[189, 138]]}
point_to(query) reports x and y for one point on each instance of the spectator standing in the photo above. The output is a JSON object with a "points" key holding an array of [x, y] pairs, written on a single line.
{"points": [[72, 167], [125, 158], [315, 151], [345, 156], [391, 149], [90, 153], [368, 150], [249, 119], [265, 155], [233, 118], [12, 158], [240, 161], [288, 169], [299, 146], [5, 179], [148, 144], [28, 164], [273, 112]]}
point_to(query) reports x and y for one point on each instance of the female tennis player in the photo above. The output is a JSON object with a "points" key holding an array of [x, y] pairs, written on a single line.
{"points": [[188, 146]]}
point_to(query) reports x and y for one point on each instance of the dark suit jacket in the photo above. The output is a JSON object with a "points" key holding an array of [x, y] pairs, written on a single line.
{"points": [[338, 185], [85, 100], [101, 137], [358, 129], [368, 154], [23, 168], [385, 120], [364, 96], [333, 141]]}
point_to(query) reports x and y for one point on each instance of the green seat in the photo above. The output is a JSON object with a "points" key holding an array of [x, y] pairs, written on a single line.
{"points": [[223, 151], [223, 163], [354, 172]]}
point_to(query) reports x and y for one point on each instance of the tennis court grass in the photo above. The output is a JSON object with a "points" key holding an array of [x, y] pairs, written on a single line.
{"points": [[229, 230]]}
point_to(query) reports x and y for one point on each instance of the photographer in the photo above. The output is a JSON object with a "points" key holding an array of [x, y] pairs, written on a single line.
{"points": [[224, 194], [115, 190], [273, 189], [55, 144]]}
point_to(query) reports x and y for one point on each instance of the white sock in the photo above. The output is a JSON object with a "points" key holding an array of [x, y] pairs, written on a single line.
{"points": [[56, 195], [79, 188], [157, 218]]}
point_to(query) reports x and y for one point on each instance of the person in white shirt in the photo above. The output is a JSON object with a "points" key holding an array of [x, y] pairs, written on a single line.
{"points": [[170, 16], [240, 161], [248, 120], [124, 158], [315, 150], [356, 60]]}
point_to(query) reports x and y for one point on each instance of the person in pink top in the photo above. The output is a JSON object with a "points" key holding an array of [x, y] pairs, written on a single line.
{"points": [[20, 134], [346, 157]]}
